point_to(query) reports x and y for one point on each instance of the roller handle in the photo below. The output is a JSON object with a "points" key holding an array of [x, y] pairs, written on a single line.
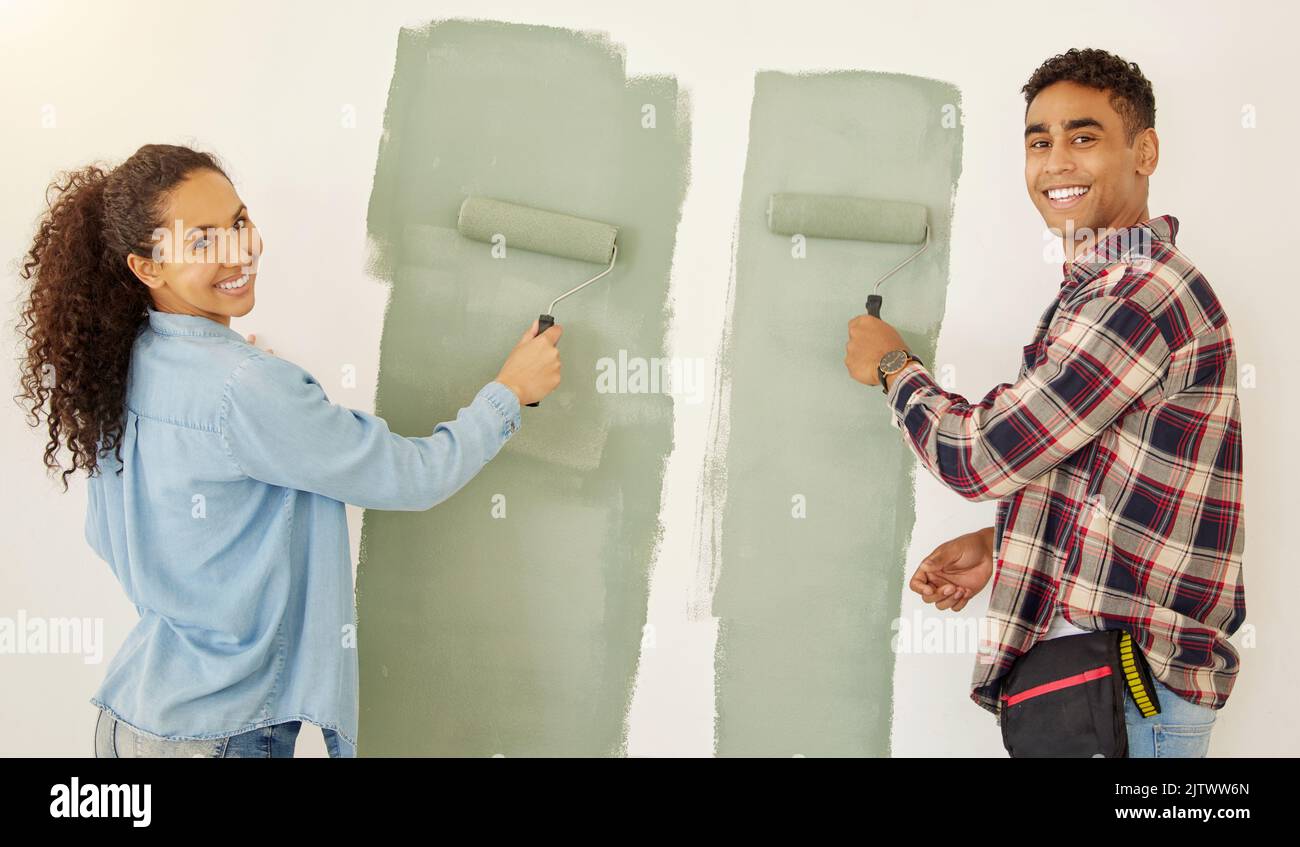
{"points": [[873, 305], [544, 323]]}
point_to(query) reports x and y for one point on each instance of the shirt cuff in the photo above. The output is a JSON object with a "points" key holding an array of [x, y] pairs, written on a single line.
{"points": [[903, 385], [506, 404]]}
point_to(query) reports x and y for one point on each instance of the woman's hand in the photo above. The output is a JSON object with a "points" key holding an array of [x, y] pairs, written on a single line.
{"points": [[533, 368], [252, 339]]}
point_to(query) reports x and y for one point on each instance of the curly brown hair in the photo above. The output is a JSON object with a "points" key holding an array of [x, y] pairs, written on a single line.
{"points": [[1131, 93], [85, 305]]}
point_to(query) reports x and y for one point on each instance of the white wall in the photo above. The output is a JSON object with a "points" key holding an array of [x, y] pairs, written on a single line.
{"points": [[265, 86]]}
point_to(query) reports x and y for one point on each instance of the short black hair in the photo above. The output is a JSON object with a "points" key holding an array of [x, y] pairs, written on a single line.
{"points": [[1130, 92]]}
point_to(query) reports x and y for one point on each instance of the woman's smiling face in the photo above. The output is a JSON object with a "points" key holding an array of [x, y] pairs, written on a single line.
{"points": [[206, 261]]}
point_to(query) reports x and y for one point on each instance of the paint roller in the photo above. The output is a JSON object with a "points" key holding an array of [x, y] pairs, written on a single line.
{"points": [[855, 219], [540, 231]]}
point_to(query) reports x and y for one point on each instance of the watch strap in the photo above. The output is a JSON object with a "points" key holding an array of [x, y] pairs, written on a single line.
{"points": [[911, 357]]}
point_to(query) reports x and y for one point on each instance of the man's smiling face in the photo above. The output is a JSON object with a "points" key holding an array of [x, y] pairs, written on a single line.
{"points": [[1080, 169]]}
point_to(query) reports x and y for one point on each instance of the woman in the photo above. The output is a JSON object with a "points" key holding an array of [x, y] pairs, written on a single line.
{"points": [[222, 515]]}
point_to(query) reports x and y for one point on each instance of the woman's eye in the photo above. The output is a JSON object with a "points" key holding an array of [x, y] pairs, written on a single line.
{"points": [[202, 243]]}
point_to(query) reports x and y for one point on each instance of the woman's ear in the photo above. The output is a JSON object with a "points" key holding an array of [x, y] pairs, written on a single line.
{"points": [[145, 270]]}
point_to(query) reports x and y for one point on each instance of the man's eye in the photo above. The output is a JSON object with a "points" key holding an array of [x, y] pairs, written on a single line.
{"points": [[1085, 137]]}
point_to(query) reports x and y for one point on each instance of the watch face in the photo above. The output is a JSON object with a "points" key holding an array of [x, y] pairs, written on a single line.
{"points": [[893, 360]]}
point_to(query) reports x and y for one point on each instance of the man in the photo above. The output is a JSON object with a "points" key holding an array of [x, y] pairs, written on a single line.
{"points": [[1115, 456]]}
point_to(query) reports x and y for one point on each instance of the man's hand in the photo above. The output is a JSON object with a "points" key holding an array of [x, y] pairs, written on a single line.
{"points": [[869, 340], [956, 571]]}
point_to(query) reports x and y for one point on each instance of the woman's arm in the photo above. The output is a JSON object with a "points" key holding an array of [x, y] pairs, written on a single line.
{"points": [[278, 426]]}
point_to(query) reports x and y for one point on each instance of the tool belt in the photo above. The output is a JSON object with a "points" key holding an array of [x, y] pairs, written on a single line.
{"points": [[1065, 696]]}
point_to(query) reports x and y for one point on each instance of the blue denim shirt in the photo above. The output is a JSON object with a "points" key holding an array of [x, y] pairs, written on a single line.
{"points": [[227, 529]]}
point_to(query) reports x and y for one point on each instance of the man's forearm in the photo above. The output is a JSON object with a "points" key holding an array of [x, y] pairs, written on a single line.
{"points": [[906, 369], [1101, 358]]}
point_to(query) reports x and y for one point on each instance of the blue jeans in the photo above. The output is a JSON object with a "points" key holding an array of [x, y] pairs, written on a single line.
{"points": [[116, 740], [1181, 730]]}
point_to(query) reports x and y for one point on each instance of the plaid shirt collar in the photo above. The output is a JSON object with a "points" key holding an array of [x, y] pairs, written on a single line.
{"points": [[1120, 246]]}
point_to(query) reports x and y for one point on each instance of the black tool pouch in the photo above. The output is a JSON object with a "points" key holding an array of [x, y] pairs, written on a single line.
{"points": [[1065, 696]]}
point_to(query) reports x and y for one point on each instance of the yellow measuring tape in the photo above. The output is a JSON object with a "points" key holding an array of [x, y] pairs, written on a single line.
{"points": [[1129, 665]]}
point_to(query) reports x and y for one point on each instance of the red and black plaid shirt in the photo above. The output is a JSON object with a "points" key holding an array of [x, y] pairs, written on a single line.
{"points": [[1116, 461]]}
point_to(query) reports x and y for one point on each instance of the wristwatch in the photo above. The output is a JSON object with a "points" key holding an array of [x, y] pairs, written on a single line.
{"points": [[893, 362]]}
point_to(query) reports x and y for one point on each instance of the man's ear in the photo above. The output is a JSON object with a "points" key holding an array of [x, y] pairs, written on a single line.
{"points": [[1148, 151], [145, 270]]}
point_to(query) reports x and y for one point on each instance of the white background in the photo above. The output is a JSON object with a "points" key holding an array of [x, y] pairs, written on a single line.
{"points": [[267, 86]]}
